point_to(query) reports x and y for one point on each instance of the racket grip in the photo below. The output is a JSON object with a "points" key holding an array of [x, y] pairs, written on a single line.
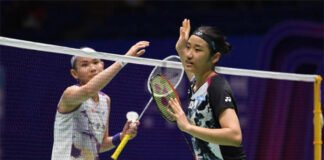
{"points": [[121, 146]]}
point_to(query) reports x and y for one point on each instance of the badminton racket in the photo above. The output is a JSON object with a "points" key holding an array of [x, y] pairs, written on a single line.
{"points": [[162, 91], [173, 74]]}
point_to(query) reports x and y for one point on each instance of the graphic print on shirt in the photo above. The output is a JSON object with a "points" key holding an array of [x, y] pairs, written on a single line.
{"points": [[78, 135], [201, 114], [205, 106], [87, 132]]}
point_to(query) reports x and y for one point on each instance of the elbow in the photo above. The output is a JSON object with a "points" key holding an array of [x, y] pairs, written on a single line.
{"points": [[89, 91], [237, 140]]}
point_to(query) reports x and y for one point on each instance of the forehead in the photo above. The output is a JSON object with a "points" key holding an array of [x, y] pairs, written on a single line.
{"points": [[195, 40], [86, 59]]}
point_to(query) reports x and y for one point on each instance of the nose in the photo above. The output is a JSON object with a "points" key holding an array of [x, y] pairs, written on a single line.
{"points": [[93, 68], [189, 54]]}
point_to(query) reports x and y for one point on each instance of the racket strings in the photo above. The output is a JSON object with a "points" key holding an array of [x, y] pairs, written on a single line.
{"points": [[162, 93], [174, 75]]}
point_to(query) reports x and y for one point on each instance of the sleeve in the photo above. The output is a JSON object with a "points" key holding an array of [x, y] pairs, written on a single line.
{"points": [[220, 96]]}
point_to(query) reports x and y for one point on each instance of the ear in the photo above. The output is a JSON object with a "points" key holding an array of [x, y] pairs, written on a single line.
{"points": [[216, 57], [74, 74], [102, 63]]}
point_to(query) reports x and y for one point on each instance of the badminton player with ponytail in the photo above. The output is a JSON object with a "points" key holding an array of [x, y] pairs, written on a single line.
{"points": [[81, 122], [211, 117]]}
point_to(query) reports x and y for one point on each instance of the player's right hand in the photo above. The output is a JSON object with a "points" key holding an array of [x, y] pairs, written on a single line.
{"points": [[183, 36]]}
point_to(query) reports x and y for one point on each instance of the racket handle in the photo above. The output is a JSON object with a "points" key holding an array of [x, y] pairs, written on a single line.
{"points": [[121, 146]]}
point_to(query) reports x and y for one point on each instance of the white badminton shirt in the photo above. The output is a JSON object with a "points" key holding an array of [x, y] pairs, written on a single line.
{"points": [[78, 134]]}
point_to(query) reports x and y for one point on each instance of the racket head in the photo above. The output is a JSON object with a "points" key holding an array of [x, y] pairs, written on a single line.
{"points": [[162, 90], [173, 75]]}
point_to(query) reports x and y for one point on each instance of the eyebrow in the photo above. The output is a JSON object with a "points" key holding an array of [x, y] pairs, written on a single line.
{"points": [[84, 61], [92, 60], [196, 45]]}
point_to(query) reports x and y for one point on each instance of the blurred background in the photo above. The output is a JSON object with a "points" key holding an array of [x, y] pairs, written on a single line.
{"points": [[276, 116]]}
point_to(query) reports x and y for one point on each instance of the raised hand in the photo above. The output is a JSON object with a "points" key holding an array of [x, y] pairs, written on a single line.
{"points": [[137, 49], [183, 35]]}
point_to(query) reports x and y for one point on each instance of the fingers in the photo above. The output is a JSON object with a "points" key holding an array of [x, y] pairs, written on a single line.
{"points": [[137, 123], [171, 113], [181, 32], [128, 123], [177, 110], [134, 50], [173, 102], [139, 53], [126, 126], [142, 44], [186, 28], [133, 129], [184, 23]]}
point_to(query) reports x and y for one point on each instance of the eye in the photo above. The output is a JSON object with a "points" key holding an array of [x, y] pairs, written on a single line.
{"points": [[84, 64], [198, 50]]}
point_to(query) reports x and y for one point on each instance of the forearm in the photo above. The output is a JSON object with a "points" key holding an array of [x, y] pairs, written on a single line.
{"points": [[222, 136], [98, 82], [107, 144]]}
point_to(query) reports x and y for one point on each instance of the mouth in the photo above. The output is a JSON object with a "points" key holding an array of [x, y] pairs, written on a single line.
{"points": [[92, 75], [188, 63]]}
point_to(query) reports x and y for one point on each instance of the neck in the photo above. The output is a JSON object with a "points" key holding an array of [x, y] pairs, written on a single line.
{"points": [[96, 98], [202, 78]]}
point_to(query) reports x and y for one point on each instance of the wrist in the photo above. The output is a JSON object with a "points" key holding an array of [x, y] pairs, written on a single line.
{"points": [[116, 139], [188, 128], [180, 50], [122, 135], [122, 63]]}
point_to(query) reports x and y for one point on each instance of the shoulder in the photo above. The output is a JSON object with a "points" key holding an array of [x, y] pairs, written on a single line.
{"points": [[105, 96], [218, 83], [70, 89]]}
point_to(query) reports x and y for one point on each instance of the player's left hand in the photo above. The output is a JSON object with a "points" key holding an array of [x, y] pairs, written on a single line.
{"points": [[130, 128], [138, 49]]}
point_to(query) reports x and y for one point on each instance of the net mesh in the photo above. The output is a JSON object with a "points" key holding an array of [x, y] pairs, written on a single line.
{"points": [[276, 115], [174, 75]]}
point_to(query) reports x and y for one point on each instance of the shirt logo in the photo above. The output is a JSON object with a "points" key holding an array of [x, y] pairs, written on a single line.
{"points": [[228, 99], [200, 98]]}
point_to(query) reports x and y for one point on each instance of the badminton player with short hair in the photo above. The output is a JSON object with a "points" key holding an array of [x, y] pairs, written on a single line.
{"points": [[81, 122], [211, 117]]}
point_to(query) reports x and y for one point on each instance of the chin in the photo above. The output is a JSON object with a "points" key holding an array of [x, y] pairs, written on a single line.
{"points": [[189, 69]]}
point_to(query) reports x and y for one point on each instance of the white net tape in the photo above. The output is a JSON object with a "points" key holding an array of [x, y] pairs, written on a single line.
{"points": [[151, 62]]}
